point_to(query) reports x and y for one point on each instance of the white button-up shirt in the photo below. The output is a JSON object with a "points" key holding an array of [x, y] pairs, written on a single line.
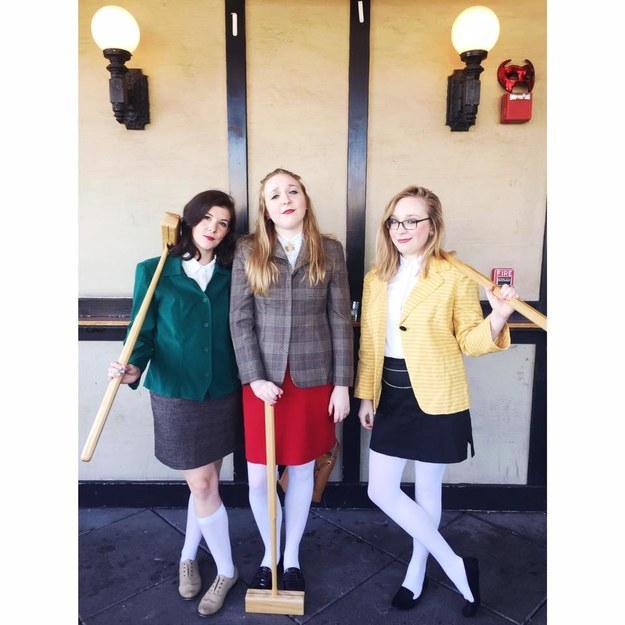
{"points": [[297, 246], [398, 290], [202, 274]]}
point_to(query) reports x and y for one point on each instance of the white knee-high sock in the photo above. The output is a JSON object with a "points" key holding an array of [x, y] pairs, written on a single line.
{"points": [[216, 533], [384, 490], [257, 479], [192, 535], [296, 507], [428, 494]]}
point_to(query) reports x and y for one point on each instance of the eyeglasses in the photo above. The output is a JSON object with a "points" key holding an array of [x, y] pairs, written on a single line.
{"points": [[408, 224]]}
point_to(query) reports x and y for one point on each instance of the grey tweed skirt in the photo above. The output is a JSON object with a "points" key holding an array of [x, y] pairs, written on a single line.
{"points": [[189, 434]]}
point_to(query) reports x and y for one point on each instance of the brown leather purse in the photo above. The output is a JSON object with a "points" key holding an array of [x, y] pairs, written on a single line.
{"points": [[323, 467]]}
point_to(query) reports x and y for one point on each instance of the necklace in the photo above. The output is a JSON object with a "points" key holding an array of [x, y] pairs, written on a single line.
{"points": [[289, 247]]}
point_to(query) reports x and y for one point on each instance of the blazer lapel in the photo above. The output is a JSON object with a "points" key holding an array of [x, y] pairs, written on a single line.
{"points": [[278, 251], [220, 275], [423, 289], [173, 271], [303, 257], [173, 267]]}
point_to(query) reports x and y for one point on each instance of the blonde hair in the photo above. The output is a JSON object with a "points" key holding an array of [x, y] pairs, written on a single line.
{"points": [[387, 257], [261, 269]]}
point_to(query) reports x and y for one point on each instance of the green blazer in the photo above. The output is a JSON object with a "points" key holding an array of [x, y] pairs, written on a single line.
{"points": [[185, 337]]}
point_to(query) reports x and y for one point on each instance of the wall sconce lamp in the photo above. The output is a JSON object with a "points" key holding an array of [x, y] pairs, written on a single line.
{"points": [[117, 33], [473, 34]]}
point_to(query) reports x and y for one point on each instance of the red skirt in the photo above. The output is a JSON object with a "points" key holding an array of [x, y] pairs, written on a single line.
{"points": [[304, 430]]}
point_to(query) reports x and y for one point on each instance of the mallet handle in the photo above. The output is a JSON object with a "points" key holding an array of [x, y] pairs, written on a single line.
{"points": [[519, 305], [131, 339], [270, 448]]}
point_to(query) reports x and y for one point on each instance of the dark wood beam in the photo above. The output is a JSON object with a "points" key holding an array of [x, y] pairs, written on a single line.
{"points": [[236, 89]]}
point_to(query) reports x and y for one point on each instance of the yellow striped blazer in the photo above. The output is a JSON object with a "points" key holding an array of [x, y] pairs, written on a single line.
{"points": [[441, 320]]}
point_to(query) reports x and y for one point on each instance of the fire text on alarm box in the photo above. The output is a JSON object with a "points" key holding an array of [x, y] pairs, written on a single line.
{"points": [[503, 275]]}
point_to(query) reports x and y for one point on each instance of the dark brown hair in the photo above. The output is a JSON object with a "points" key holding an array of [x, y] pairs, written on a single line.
{"points": [[193, 213]]}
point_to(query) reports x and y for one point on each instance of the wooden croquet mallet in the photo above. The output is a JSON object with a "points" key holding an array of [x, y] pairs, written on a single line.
{"points": [[170, 227], [273, 601], [519, 305]]}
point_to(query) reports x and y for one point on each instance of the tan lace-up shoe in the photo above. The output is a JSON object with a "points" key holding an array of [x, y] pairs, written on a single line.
{"points": [[214, 598], [190, 581]]}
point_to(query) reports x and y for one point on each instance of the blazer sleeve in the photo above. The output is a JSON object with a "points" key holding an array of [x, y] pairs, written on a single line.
{"points": [[365, 377], [340, 321], [472, 330], [242, 322], [144, 347]]}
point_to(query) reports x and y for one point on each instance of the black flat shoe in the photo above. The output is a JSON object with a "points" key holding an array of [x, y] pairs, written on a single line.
{"points": [[262, 579], [292, 579], [403, 599], [473, 577]]}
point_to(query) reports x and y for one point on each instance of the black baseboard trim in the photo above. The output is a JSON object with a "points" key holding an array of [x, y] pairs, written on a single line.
{"points": [[171, 494]]}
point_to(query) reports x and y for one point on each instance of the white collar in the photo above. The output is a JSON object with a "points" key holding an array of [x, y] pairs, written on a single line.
{"points": [[193, 266], [291, 245], [411, 266], [202, 274]]}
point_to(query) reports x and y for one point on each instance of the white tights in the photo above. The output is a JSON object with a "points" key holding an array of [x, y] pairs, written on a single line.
{"points": [[296, 507], [419, 517]]}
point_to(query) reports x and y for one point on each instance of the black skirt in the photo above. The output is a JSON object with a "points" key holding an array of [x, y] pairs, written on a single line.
{"points": [[403, 430], [189, 434]]}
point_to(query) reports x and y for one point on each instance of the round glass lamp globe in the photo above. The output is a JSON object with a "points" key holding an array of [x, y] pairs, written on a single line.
{"points": [[476, 28], [115, 27]]}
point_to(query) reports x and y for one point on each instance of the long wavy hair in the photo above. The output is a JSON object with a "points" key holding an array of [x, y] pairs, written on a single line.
{"points": [[386, 255], [194, 211], [261, 269]]}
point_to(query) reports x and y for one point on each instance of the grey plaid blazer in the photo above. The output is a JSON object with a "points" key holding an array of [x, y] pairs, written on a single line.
{"points": [[308, 327]]}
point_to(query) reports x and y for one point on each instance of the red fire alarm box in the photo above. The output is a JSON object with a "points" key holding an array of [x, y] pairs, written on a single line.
{"points": [[518, 81], [516, 108], [503, 276]]}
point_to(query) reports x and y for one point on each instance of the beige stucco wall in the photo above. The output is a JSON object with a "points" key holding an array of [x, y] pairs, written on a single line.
{"points": [[492, 179]]}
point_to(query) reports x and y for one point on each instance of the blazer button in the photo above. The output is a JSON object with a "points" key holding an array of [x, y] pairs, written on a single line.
{"points": [[403, 328]]}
